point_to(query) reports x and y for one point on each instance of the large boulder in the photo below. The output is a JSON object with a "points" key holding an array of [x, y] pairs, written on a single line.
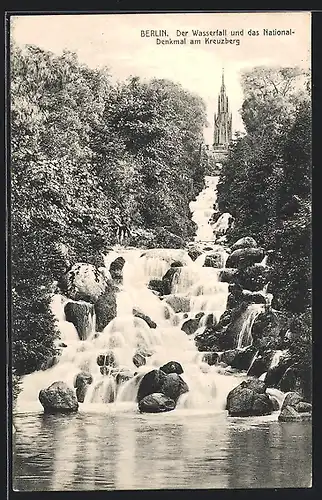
{"points": [[80, 314], [139, 314], [174, 386], [179, 303], [81, 383], [292, 399], [243, 358], [194, 253], [168, 278], [294, 409], [227, 357], [157, 286], [83, 282], [190, 326], [245, 257], [228, 275], [249, 399], [177, 263], [58, 398], [156, 403], [116, 269], [107, 359], [123, 376], [246, 242], [267, 329], [172, 367], [105, 307], [211, 358], [252, 278], [214, 260], [291, 381], [273, 375], [139, 359], [259, 366], [150, 383], [253, 297], [170, 383], [289, 414], [303, 407]]}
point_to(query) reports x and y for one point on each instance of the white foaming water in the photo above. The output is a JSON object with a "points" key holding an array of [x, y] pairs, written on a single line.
{"points": [[222, 223], [195, 286], [253, 361], [276, 358], [279, 395], [203, 208], [250, 315]]}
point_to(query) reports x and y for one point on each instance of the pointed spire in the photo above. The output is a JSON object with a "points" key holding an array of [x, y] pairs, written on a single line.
{"points": [[223, 118], [223, 78]]}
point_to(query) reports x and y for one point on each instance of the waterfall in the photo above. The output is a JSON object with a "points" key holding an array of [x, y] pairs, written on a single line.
{"points": [[195, 289], [203, 208], [252, 361], [245, 336], [276, 358]]}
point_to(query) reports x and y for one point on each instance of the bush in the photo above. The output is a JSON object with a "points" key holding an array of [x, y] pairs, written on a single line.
{"points": [[266, 185], [84, 151]]}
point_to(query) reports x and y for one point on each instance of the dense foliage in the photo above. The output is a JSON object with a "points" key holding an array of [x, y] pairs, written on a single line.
{"points": [[84, 151], [266, 185]]}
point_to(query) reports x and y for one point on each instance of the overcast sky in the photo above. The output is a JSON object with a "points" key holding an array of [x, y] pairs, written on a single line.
{"points": [[114, 40]]}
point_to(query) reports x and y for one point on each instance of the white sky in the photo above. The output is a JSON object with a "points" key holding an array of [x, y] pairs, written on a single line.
{"points": [[114, 40]]}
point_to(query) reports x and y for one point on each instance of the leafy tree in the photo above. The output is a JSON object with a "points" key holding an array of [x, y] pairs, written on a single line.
{"points": [[266, 185], [83, 150], [152, 130]]}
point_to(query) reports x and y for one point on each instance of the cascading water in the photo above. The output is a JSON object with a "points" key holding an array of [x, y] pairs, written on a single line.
{"points": [[203, 208], [276, 358], [194, 289], [245, 336]]}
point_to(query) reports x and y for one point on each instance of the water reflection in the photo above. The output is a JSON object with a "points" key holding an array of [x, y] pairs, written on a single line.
{"points": [[176, 450], [272, 456]]}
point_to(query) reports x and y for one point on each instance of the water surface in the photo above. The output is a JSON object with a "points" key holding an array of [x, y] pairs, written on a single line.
{"points": [[180, 449]]}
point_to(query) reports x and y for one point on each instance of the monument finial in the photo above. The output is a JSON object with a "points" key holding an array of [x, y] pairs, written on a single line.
{"points": [[222, 119]]}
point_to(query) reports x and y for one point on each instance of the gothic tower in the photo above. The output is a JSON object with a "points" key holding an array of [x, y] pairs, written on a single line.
{"points": [[222, 120]]}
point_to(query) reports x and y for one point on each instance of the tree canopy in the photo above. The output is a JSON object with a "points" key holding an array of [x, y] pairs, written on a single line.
{"points": [[82, 150], [265, 182]]}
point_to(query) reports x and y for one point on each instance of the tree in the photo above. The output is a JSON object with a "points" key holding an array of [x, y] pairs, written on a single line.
{"points": [[81, 150], [146, 152], [265, 183], [55, 196]]}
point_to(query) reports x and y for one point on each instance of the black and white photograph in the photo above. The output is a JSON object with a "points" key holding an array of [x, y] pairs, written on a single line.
{"points": [[160, 250]]}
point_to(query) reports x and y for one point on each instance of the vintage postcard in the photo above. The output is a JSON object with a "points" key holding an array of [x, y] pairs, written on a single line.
{"points": [[160, 222]]}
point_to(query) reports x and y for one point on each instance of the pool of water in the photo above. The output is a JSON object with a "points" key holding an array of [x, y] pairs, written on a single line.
{"points": [[117, 450]]}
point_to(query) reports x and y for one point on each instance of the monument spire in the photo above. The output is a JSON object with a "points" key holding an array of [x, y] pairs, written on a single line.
{"points": [[222, 119], [223, 78]]}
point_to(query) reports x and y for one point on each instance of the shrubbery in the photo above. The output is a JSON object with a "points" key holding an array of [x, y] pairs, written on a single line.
{"points": [[82, 150], [266, 185]]}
